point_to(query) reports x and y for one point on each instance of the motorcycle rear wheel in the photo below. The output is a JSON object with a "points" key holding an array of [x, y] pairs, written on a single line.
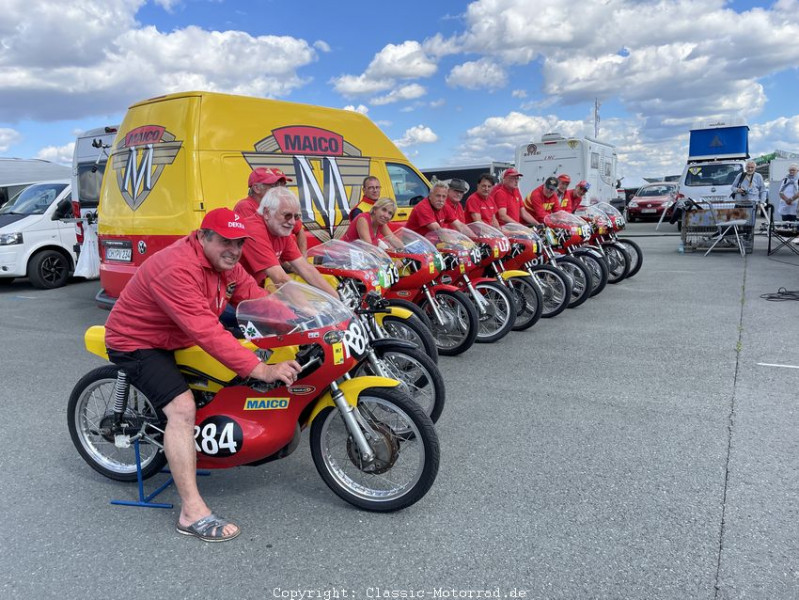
{"points": [[406, 464], [459, 330], [529, 302], [556, 289], [412, 330], [89, 414], [418, 375]]}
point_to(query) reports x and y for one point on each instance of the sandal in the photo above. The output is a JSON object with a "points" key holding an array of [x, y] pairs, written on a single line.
{"points": [[208, 529]]}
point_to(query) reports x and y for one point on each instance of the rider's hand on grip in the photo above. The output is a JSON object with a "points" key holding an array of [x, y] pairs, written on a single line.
{"points": [[286, 372]]}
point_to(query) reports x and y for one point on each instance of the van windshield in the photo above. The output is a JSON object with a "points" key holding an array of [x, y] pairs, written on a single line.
{"points": [[720, 174], [34, 200], [408, 186]]}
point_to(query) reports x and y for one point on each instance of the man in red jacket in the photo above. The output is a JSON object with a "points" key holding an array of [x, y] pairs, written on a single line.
{"points": [[174, 301], [509, 202], [543, 200]]}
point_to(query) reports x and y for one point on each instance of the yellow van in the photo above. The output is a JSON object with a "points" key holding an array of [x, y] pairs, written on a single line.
{"points": [[177, 156]]}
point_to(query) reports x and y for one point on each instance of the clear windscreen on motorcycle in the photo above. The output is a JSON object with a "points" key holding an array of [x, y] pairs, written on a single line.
{"points": [[343, 255], [451, 240], [412, 242], [608, 209], [483, 231], [293, 307], [563, 219], [594, 214], [385, 261], [519, 231]]}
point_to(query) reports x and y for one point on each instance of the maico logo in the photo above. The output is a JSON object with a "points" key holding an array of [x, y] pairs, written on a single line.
{"points": [[328, 171], [266, 403], [139, 159]]}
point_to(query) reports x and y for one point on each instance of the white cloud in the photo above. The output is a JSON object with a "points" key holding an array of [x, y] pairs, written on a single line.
{"points": [[359, 109], [404, 61], [58, 154], [322, 46], [420, 134], [518, 94], [438, 103], [92, 57], [479, 74], [8, 137], [406, 92], [355, 85]]}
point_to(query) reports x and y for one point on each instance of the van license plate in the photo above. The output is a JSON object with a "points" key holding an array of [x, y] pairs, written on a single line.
{"points": [[120, 254]]}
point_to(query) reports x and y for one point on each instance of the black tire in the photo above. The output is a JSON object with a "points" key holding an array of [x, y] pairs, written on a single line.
{"points": [[598, 268], [500, 314], [414, 308], [636, 255], [459, 330], [410, 458], [90, 408], [618, 262], [419, 376], [528, 299], [556, 289], [49, 269], [581, 279], [412, 330]]}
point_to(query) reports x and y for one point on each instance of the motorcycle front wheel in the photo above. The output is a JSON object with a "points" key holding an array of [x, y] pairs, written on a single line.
{"points": [[636, 255], [556, 289], [414, 308], [418, 375], [528, 300], [618, 262], [412, 330], [581, 279], [499, 315], [598, 267], [458, 329], [406, 451], [90, 419]]}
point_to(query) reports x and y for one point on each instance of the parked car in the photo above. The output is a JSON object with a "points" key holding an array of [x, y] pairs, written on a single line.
{"points": [[651, 200], [34, 241]]}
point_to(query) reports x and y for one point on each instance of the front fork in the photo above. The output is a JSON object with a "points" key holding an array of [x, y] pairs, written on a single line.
{"points": [[356, 425], [480, 303], [431, 299]]}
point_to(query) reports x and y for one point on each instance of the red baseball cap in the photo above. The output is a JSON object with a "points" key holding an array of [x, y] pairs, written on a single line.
{"points": [[511, 173], [564, 177], [226, 223], [265, 175], [584, 184]]}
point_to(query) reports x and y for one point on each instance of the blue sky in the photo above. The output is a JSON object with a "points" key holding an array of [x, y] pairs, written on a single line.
{"points": [[451, 82]]}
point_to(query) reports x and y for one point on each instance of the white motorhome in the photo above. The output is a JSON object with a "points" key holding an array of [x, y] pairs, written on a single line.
{"points": [[580, 158], [18, 173], [88, 166]]}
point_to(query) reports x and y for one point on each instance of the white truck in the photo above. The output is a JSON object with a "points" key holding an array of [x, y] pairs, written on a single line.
{"points": [[716, 156], [579, 158]]}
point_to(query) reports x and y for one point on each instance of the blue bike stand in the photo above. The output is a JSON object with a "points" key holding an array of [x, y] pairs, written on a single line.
{"points": [[144, 501]]}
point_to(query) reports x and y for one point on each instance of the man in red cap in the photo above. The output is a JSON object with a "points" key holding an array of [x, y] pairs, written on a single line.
{"points": [[576, 195], [371, 194], [273, 245], [262, 180], [174, 301], [563, 184], [543, 200], [508, 200]]}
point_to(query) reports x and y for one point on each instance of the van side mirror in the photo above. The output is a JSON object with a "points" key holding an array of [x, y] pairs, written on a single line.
{"points": [[63, 210]]}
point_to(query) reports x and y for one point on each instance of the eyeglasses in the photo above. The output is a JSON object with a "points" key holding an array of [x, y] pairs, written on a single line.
{"points": [[288, 216], [373, 187]]}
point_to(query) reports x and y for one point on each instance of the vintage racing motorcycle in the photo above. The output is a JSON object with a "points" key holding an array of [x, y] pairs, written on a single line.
{"points": [[372, 445]]}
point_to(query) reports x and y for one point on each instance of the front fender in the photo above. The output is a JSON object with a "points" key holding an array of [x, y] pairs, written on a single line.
{"points": [[389, 342], [396, 311], [351, 388], [443, 287], [513, 273]]}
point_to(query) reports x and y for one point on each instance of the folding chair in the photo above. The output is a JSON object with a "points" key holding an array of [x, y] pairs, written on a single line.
{"points": [[725, 226]]}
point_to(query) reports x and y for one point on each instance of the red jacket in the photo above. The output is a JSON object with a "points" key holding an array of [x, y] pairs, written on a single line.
{"points": [[540, 206], [174, 301]]}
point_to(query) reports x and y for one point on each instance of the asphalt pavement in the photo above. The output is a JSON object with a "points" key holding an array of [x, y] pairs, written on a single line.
{"points": [[643, 445]]}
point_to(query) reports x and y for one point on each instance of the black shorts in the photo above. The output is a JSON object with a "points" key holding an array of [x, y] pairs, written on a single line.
{"points": [[153, 372]]}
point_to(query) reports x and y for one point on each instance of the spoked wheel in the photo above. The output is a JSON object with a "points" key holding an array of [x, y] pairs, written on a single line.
{"points": [[598, 268], [528, 300], [458, 329], [418, 375], [618, 262], [556, 289], [498, 315], [404, 442], [581, 279], [636, 255], [408, 305], [90, 417], [412, 330]]}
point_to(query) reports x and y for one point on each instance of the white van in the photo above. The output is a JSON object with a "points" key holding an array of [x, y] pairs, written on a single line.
{"points": [[710, 181], [34, 241]]}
